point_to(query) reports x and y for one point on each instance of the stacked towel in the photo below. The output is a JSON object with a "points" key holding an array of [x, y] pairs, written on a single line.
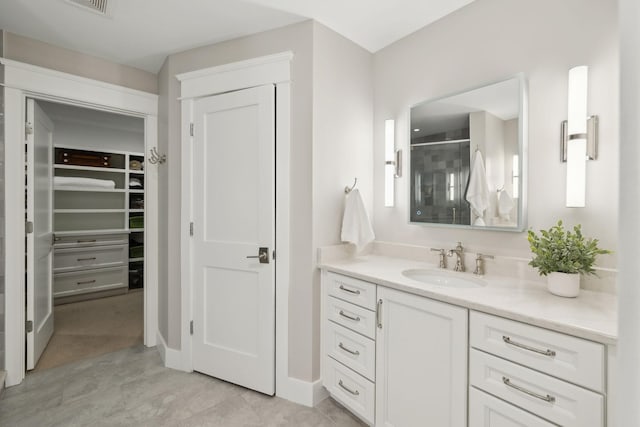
{"points": [[505, 204], [478, 190], [356, 227], [77, 182]]}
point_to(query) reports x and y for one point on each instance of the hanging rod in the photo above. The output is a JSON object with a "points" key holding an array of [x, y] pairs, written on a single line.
{"points": [[348, 189]]}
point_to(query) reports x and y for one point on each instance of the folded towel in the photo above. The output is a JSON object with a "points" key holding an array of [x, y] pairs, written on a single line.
{"points": [[77, 182], [135, 182], [505, 204], [478, 190], [356, 227]]}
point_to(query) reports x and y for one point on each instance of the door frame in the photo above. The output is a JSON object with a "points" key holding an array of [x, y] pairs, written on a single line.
{"points": [[271, 69], [22, 81]]}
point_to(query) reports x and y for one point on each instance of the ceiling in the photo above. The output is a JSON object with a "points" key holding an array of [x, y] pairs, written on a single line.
{"points": [[141, 33]]}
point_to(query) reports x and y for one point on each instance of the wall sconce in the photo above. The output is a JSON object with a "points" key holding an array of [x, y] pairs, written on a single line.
{"points": [[392, 162], [579, 137]]}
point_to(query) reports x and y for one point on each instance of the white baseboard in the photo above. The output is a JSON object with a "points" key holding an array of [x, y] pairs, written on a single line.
{"points": [[302, 392], [172, 358], [3, 376]]}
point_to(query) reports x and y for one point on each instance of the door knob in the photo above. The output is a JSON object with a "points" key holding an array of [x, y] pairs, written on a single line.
{"points": [[263, 255]]}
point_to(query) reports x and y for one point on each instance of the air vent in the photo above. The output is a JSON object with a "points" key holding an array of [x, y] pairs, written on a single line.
{"points": [[97, 6]]}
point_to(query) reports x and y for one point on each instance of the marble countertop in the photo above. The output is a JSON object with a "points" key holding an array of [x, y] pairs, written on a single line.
{"points": [[592, 315]]}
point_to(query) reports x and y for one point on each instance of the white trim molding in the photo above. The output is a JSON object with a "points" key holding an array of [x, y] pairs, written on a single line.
{"points": [[273, 69], [170, 357], [22, 81]]}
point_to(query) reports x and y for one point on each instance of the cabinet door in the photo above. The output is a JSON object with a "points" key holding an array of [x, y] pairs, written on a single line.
{"points": [[421, 362]]}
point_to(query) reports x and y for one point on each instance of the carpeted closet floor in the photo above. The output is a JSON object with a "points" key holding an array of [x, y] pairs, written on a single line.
{"points": [[95, 327]]}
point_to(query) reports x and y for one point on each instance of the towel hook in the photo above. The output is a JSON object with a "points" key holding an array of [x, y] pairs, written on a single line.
{"points": [[348, 190], [155, 157]]}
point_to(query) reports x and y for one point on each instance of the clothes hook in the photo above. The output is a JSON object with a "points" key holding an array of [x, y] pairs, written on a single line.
{"points": [[348, 190], [156, 158]]}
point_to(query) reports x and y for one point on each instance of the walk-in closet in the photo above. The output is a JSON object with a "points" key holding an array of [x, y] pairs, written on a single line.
{"points": [[96, 192]]}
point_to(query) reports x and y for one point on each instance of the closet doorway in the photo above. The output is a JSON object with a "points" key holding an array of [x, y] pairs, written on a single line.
{"points": [[85, 236]]}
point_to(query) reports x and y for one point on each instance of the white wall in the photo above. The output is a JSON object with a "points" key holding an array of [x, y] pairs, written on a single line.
{"points": [[628, 390], [84, 136], [489, 40], [342, 142]]}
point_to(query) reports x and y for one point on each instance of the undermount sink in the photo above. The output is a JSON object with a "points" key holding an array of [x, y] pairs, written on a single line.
{"points": [[443, 278]]}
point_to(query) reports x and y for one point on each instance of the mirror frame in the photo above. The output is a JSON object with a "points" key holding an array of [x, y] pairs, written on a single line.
{"points": [[523, 147]]}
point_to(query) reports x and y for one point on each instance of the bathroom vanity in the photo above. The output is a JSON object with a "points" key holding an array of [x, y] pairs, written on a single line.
{"points": [[453, 349]]}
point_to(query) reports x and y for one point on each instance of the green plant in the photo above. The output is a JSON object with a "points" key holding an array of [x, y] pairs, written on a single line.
{"points": [[563, 251]]}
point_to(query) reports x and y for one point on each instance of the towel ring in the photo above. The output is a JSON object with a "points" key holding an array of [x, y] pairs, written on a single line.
{"points": [[348, 190]]}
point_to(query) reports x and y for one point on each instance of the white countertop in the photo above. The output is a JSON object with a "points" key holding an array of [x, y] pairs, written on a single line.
{"points": [[592, 315]]}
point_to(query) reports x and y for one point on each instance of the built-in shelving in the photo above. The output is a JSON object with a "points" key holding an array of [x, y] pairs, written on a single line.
{"points": [[88, 168]]}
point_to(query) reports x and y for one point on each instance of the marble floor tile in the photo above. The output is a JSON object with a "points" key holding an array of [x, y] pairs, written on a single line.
{"points": [[131, 387]]}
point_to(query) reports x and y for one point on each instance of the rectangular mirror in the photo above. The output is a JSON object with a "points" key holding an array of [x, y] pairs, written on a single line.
{"points": [[468, 158]]}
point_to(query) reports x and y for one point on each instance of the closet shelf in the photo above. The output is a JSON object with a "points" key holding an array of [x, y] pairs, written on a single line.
{"points": [[132, 171], [136, 259], [89, 168], [136, 210], [136, 191], [91, 190], [91, 232], [73, 211], [136, 230]]}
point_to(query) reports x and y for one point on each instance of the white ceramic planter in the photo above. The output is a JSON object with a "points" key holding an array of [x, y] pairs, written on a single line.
{"points": [[564, 284]]}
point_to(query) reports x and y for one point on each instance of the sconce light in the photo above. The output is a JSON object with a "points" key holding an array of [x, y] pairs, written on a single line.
{"points": [[392, 162], [579, 137]]}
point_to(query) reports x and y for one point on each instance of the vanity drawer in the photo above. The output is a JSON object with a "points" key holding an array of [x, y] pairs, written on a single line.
{"points": [[487, 411], [81, 259], [353, 290], [555, 400], [90, 240], [576, 360], [352, 317], [354, 391], [82, 282], [351, 349]]}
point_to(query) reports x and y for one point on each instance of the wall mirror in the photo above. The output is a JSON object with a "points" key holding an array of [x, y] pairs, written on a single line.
{"points": [[468, 158]]}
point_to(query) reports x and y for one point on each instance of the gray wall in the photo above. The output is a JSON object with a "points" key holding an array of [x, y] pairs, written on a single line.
{"points": [[35, 52], [488, 40]]}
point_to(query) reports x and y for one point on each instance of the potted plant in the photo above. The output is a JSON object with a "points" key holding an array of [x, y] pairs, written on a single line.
{"points": [[562, 256]]}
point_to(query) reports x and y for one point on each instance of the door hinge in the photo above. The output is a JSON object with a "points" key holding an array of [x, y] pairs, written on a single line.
{"points": [[191, 229], [28, 129], [28, 227], [274, 255], [191, 129], [29, 326], [191, 327]]}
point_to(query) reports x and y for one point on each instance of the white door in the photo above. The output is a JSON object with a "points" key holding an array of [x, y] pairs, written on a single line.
{"points": [[234, 213], [40, 240], [421, 362]]}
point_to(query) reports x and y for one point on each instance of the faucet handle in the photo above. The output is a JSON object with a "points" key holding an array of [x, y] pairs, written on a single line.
{"points": [[437, 250], [480, 256]]}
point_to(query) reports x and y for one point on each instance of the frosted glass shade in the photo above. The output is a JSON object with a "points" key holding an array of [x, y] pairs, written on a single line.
{"points": [[389, 168], [577, 142]]}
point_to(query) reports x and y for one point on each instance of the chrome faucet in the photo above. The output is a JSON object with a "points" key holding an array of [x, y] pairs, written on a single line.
{"points": [[441, 255], [459, 251], [479, 264]]}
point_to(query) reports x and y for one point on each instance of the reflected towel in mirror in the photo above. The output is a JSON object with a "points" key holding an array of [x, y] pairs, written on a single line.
{"points": [[478, 189], [505, 204], [356, 227]]}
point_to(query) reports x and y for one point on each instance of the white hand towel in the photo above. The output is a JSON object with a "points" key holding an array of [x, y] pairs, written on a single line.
{"points": [[356, 227], [505, 204], [478, 190]]}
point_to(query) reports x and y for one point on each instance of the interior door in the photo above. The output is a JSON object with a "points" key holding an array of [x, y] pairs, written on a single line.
{"points": [[234, 236], [40, 235]]}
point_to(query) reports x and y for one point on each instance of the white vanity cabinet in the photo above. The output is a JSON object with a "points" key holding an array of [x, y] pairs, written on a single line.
{"points": [[557, 377], [393, 358], [421, 362]]}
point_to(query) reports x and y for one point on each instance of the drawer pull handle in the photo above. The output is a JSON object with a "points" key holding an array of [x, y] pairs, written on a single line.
{"points": [[87, 241], [351, 291], [379, 314], [354, 392], [355, 353], [546, 398], [87, 259], [547, 352], [355, 319], [86, 282]]}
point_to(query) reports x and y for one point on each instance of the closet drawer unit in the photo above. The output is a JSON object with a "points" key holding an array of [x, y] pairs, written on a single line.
{"points": [[352, 317], [81, 282], [353, 290], [573, 359], [487, 411], [554, 400], [351, 349], [88, 240], [71, 259], [352, 390]]}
